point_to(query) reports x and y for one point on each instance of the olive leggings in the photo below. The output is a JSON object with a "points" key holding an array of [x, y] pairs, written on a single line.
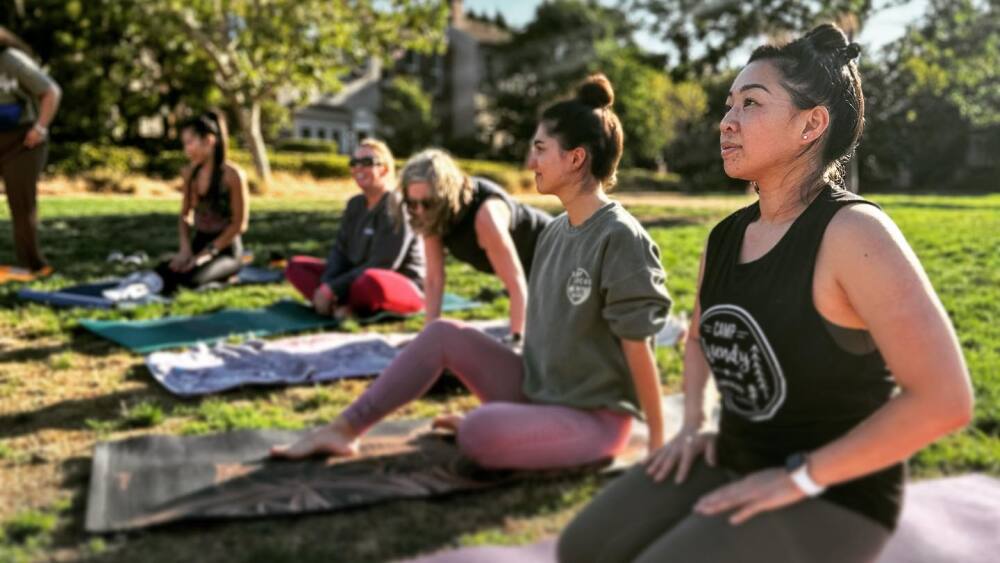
{"points": [[636, 520]]}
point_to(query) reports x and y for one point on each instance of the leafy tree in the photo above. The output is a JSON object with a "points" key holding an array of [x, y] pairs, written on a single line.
{"points": [[569, 39], [405, 115], [934, 98], [111, 71], [706, 33], [259, 48]]}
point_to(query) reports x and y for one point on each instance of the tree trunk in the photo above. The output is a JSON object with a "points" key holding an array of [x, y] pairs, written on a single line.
{"points": [[249, 117]]}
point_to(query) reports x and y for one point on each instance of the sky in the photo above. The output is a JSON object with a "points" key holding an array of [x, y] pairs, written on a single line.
{"points": [[886, 26]]}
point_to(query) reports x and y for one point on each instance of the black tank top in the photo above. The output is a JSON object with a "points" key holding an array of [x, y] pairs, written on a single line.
{"points": [[526, 224], [786, 383]]}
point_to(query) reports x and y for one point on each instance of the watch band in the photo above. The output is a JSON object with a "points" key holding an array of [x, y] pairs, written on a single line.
{"points": [[804, 482], [42, 130]]}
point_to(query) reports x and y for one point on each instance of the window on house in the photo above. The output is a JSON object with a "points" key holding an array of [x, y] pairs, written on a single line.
{"points": [[321, 133], [305, 133]]}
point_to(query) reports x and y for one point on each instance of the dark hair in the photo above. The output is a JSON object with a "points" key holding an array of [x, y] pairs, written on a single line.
{"points": [[211, 123], [588, 121], [819, 69], [10, 39]]}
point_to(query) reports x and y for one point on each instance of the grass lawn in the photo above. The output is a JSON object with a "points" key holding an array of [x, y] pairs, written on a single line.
{"points": [[62, 389]]}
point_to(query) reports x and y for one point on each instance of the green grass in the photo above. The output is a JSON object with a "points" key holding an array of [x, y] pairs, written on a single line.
{"points": [[62, 389]]}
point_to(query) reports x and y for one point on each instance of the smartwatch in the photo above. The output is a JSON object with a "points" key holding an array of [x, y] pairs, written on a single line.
{"points": [[797, 466]]}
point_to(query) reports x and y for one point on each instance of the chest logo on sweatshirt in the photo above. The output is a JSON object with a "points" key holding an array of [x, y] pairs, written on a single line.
{"points": [[746, 370], [578, 286]]}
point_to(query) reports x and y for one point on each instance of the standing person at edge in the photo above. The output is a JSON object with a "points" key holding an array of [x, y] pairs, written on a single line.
{"points": [[216, 204], [571, 398], [811, 309], [376, 263], [28, 102], [477, 222]]}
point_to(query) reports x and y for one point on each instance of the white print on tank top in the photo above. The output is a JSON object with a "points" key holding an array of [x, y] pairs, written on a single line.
{"points": [[578, 286], [8, 84], [746, 370]]}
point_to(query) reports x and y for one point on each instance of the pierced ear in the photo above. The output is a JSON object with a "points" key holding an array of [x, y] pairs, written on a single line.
{"points": [[816, 123]]}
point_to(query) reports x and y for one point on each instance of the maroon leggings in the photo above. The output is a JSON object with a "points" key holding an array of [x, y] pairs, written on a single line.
{"points": [[508, 430], [375, 290]]}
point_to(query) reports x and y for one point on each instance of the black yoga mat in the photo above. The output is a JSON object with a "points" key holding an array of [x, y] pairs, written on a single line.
{"points": [[153, 480]]}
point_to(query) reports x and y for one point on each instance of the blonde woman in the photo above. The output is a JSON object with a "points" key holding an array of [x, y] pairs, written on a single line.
{"points": [[377, 263], [476, 222]]}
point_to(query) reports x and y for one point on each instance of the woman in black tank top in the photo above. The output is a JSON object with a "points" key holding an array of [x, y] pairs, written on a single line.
{"points": [[475, 221], [832, 355], [215, 207]]}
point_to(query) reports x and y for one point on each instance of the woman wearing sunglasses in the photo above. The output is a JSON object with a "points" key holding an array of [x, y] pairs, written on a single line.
{"points": [[475, 221], [376, 264], [597, 298]]}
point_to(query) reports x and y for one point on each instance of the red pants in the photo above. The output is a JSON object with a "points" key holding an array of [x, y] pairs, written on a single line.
{"points": [[373, 291]]}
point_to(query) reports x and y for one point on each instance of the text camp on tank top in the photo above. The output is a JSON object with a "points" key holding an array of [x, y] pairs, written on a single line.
{"points": [[787, 380], [526, 224], [213, 212]]}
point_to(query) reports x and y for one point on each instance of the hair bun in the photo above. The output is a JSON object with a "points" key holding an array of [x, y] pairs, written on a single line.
{"points": [[596, 92], [849, 53]]}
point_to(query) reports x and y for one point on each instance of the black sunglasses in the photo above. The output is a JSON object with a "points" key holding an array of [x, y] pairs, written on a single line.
{"points": [[413, 204], [363, 161]]}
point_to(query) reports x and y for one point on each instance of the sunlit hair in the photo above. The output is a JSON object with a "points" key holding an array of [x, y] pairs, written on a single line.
{"points": [[382, 153], [819, 69], [450, 190]]}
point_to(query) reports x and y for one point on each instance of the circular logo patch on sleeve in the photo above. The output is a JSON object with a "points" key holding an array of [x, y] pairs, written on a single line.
{"points": [[578, 286], [746, 370]]}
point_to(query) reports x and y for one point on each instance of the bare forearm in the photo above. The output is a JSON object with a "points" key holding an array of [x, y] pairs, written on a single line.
{"points": [[696, 375], [903, 426], [518, 302], [184, 234], [646, 378], [433, 297], [48, 104]]}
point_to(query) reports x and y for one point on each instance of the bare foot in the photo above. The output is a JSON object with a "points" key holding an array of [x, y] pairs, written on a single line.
{"points": [[449, 421], [329, 440]]}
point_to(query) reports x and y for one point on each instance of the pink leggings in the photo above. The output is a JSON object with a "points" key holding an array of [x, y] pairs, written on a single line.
{"points": [[507, 431]]}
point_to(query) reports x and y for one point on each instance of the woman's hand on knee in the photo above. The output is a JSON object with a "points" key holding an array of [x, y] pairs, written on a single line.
{"points": [[757, 492], [680, 453]]}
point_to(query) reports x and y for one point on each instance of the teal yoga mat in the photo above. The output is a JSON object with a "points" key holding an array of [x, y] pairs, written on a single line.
{"points": [[148, 336]]}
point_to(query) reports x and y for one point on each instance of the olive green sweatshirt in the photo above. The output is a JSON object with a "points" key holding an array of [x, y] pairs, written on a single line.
{"points": [[591, 286]]}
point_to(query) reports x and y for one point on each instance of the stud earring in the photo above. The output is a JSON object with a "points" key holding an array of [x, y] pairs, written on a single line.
{"points": [[804, 137]]}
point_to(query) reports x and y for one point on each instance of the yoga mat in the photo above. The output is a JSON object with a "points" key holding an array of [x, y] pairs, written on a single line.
{"points": [[296, 360], [151, 335], [943, 521], [153, 480], [15, 274], [173, 332], [89, 295]]}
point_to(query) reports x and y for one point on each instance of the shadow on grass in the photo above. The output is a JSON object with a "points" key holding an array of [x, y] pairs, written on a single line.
{"points": [[78, 247], [386, 532], [73, 414]]}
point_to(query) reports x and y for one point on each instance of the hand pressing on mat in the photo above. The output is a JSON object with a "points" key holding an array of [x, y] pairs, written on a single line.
{"points": [[324, 300], [336, 439], [450, 421]]}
